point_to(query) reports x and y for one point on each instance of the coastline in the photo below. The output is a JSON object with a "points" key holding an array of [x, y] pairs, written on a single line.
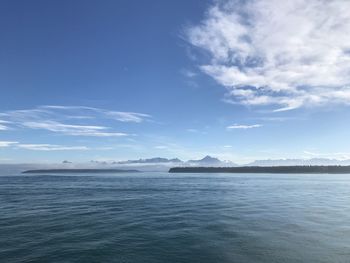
{"points": [[297, 169]]}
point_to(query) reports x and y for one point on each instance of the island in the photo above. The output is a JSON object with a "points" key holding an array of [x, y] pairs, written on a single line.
{"points": [[64, 171], [298, 169]]}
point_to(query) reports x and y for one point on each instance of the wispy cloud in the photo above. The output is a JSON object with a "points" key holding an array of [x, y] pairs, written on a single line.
{"points": [[51, 147], [127, 116], [74, 112], [277, 119], [76, 130], [70, 120], [161, 147], [6, 143], [2, 126], [237, 126], [85, 112], [47, 147], [196, 131], [188, 73], [289, 54]]}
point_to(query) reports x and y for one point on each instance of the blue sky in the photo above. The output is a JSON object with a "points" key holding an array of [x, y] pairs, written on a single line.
{"points": [[116, 80]]}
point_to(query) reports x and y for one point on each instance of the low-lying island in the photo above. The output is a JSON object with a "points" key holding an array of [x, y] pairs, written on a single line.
{"points": [[319, 169], [64, 171]]}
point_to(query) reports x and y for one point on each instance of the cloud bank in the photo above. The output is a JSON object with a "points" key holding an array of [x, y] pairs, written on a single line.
{"points": [[286, 54]]}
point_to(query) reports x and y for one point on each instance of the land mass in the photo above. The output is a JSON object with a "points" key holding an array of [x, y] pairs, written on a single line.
{"points": [[297, 169], [79, 171]]}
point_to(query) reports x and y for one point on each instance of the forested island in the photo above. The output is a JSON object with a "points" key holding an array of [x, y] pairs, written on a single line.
{"points": [[79, 171], [333, 169]]}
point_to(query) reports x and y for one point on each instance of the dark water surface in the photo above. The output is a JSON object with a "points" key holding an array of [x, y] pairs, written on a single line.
{"points": [[163, 217]]}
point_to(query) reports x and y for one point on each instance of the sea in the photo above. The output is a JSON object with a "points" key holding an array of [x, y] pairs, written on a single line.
{"points": [[162, 217]]}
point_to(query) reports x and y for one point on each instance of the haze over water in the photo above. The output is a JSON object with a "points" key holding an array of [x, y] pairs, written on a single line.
{"points": [[160, 217]]}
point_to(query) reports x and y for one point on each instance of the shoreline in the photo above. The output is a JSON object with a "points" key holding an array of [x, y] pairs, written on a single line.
{"points": [[295, 169]]}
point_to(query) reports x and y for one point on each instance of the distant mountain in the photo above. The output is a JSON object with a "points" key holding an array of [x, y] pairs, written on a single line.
{"points": [[209, 161], [206, 160], [163, 164], [98, 162], [156, 160], [287, 162]]}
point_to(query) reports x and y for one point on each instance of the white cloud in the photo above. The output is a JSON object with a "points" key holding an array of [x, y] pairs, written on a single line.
{"points": [[77, 130], [161, 147], [91, 112], [3, 127], [58, 112], [51, 147], [237, 126], [188, 73], [284, 53], [6, 143], [127, 116], [197, 131], [55, 118], [227, 146]]}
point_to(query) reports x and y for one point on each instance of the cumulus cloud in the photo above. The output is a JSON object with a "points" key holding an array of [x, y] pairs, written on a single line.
{"points": [[51, 147], [244, 127], [283, 53]]}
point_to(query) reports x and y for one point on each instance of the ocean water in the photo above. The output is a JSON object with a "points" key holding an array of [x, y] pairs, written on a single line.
{"points": [[160, 217]]}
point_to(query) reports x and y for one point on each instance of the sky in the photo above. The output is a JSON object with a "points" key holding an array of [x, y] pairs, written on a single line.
{"points": [[115, 80]]}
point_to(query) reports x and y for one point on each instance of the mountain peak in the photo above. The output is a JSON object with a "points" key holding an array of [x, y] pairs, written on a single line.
{"points": [[209, 158], [154, 160]]}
